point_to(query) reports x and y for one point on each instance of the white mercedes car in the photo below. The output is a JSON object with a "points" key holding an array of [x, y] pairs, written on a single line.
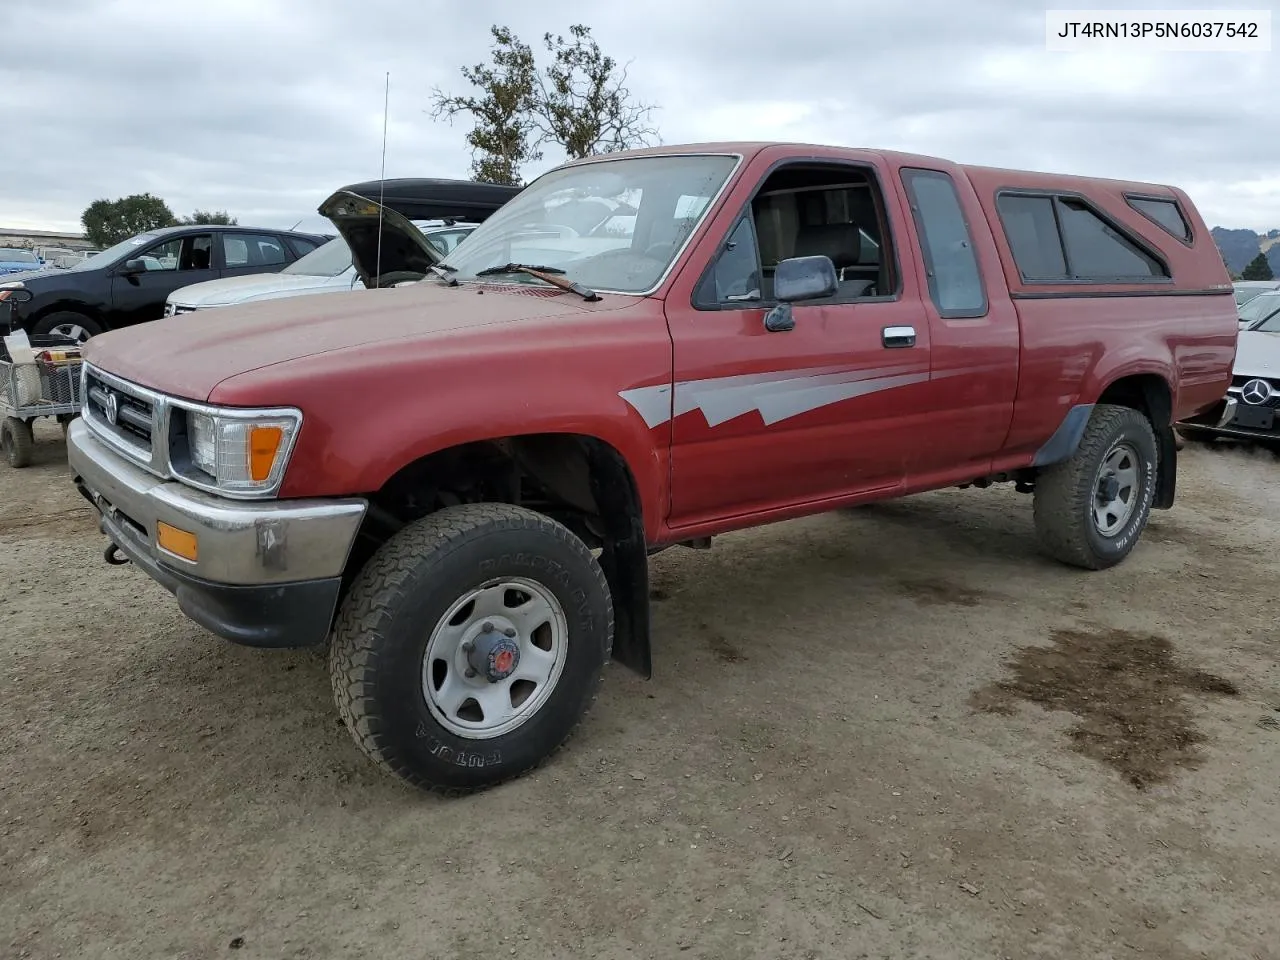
{"points": [[1255, 388]]}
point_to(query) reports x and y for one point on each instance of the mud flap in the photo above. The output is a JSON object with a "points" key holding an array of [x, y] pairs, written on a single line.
{"points": [[625, 563], [1166, 468]]}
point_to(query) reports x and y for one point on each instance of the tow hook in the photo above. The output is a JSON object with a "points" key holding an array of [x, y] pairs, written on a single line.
{"points": [[114, 557]]}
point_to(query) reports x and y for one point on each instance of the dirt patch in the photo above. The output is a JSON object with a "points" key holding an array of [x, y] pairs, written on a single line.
{"points": [[721, 648], [941, 592], [1128, 691]]}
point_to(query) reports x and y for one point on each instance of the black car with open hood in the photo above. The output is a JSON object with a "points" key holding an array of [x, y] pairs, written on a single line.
{"points": [[375, 218]]}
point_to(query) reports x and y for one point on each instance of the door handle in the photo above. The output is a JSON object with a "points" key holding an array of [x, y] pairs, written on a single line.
{"points": [[893, 337]]}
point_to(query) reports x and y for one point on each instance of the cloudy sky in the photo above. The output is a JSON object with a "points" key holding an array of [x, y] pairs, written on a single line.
{"points": [[263, 107]]}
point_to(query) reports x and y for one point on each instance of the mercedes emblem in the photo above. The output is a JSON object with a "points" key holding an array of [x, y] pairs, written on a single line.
{"points": [[1256, 391]]}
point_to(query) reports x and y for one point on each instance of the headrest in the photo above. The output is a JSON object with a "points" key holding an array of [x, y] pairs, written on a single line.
{"points": [[842, 242]]}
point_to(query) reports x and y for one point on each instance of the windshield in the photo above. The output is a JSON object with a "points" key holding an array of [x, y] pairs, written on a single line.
{"points": [[15, 255], [327, 260], [1271, 324], [1267, 315], [109, 255], [612, 225], [1259, 307]]}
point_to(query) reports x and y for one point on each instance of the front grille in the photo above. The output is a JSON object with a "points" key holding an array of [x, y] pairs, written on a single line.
{"points": [[1237, 390], [113, 408]]}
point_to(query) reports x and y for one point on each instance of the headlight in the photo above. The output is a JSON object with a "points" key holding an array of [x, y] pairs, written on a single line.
{"points": [[238, 451]]}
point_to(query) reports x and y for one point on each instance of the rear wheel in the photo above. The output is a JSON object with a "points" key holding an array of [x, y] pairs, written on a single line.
{"points": [[17, 442], [470, 646], [67, 323], [1091, 509]]}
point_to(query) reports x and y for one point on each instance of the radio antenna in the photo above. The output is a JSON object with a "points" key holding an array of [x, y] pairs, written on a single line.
{"points": [[382, 182]]}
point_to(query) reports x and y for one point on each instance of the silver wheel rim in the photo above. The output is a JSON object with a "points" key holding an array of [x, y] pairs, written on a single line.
{"points": [[529, 624], [71, 330], [1116, 491]]}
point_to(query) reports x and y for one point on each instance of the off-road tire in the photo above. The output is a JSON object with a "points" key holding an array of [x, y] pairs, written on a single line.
{"points": [[46, 324], [1065, 491], [382, 630], [16, 442]]}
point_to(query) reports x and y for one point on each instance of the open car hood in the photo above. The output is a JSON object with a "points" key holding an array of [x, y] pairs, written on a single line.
{"points": [[405, 252]]}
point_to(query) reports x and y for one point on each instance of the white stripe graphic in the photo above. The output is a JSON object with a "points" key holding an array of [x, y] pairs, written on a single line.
{"points": [[652, 403], [776, 396]]}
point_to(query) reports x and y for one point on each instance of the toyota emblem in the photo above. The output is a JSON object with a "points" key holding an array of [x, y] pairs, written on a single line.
{"points": [[1255, 392], [112, 408]]}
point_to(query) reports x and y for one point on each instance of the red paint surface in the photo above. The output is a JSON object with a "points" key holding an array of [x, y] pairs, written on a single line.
{"points": [[386, 377]]}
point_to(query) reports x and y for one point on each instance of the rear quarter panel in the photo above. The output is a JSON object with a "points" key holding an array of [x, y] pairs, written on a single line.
{"points": [[1077, 339]]}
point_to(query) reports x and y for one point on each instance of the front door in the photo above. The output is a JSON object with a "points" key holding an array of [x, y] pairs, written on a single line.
{"points": [[770, 420], [170, 264]]}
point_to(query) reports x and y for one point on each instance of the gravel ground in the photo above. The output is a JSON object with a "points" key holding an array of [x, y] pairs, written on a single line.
{"points": [[890, 732]]}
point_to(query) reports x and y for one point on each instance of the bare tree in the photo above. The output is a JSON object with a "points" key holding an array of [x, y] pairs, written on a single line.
{"points": [[579, 102], [584, 105], [504, 136]]}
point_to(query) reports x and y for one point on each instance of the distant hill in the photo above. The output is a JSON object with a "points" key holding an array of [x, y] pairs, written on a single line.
{"points": [[1240, 246]]}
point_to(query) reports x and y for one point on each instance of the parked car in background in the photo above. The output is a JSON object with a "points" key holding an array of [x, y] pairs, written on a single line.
{"points": [[1246, 290], [458, 483], [421, 222], [1259, 309], [1255, 386], [326, 269], [18, 260], [129, 282]]}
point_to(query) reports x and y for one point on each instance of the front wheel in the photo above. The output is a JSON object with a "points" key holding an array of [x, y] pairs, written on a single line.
{"points": [[67, 323], [1091, 509], [470, 646]]}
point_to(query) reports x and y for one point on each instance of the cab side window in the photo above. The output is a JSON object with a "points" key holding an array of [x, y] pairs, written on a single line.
{"points": [[955, 280], [806, 209]]}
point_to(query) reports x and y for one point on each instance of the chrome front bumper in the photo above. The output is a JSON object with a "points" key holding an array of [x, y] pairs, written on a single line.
{"points": [[266, 573]]}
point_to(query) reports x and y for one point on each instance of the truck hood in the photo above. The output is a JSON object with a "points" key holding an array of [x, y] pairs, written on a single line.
{"points": [[186, 359], [1258, 354], [228, 290]]}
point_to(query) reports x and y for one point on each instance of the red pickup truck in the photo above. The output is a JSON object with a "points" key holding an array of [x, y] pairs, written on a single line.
{"points": [[456, 483]]}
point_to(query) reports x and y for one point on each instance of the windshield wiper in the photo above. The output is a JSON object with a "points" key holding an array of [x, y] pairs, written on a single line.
{"points": [[444, 274], [516, 268], [551, 275]]}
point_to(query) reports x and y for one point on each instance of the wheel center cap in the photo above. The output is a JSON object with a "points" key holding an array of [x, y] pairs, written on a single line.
{"points": [[494, 656], [1108, 489]]}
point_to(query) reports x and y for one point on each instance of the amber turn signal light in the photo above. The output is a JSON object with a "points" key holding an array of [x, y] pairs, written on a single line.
{"points": [[264, 444], [178, 542]]}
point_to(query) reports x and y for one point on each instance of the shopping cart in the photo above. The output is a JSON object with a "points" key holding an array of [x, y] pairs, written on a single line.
{"points": [[46, 385]]}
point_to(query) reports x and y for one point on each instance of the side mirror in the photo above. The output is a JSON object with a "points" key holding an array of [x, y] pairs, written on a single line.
{"points": [[795, 280], [135, 265]]}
